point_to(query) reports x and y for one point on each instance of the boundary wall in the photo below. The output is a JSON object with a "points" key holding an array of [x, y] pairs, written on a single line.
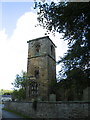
{"points": [[51, 109]]}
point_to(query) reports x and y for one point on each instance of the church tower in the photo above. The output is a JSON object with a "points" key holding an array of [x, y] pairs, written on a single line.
{"points": [[41, 68]]}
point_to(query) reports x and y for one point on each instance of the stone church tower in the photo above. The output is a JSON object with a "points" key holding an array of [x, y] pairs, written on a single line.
{"points": [[41, 68]]}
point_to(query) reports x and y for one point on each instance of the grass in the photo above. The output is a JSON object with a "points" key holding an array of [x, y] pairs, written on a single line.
{"points": [[17, 113]]}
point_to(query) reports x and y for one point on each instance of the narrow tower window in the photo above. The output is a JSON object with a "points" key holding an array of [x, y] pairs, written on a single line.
{"points": [[37, 48], [36, 73], [52, 50]]}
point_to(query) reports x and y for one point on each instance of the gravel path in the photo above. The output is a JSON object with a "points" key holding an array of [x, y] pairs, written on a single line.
{"points": [[6, 114], [0, 111]]}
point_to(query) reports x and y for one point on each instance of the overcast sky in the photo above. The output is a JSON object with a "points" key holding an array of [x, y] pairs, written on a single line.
{"points": [[18, 26]]}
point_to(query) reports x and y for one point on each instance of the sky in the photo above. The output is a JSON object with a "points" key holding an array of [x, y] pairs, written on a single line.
{"points": [[18, 26]]}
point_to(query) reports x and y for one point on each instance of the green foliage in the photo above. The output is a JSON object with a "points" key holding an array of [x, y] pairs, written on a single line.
{"points": [[19, 94], [5, 92], [66, 18], [20, 80], [19, 84]]}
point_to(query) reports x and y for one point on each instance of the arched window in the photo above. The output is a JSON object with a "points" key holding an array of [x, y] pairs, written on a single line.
{"points": [[34, 88]]}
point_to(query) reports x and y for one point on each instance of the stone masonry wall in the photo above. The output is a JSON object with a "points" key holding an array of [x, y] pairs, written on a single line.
{"points": [[41, 66], [52, 109]]}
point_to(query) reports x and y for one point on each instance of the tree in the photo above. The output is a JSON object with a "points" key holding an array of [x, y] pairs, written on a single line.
{"points": [[20, 81], [19, 94], [19, 84], [73, 20]]}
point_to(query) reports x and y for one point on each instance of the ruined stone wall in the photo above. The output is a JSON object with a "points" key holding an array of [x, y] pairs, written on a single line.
{"points": [[52, 109], [86, 94]]}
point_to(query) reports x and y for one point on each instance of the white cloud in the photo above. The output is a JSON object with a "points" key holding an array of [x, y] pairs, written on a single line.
{"points": [[14, 50], [4, 59]]}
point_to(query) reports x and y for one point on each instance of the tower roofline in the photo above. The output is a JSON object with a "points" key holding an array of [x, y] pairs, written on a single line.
{"points": [[41, 38]]}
